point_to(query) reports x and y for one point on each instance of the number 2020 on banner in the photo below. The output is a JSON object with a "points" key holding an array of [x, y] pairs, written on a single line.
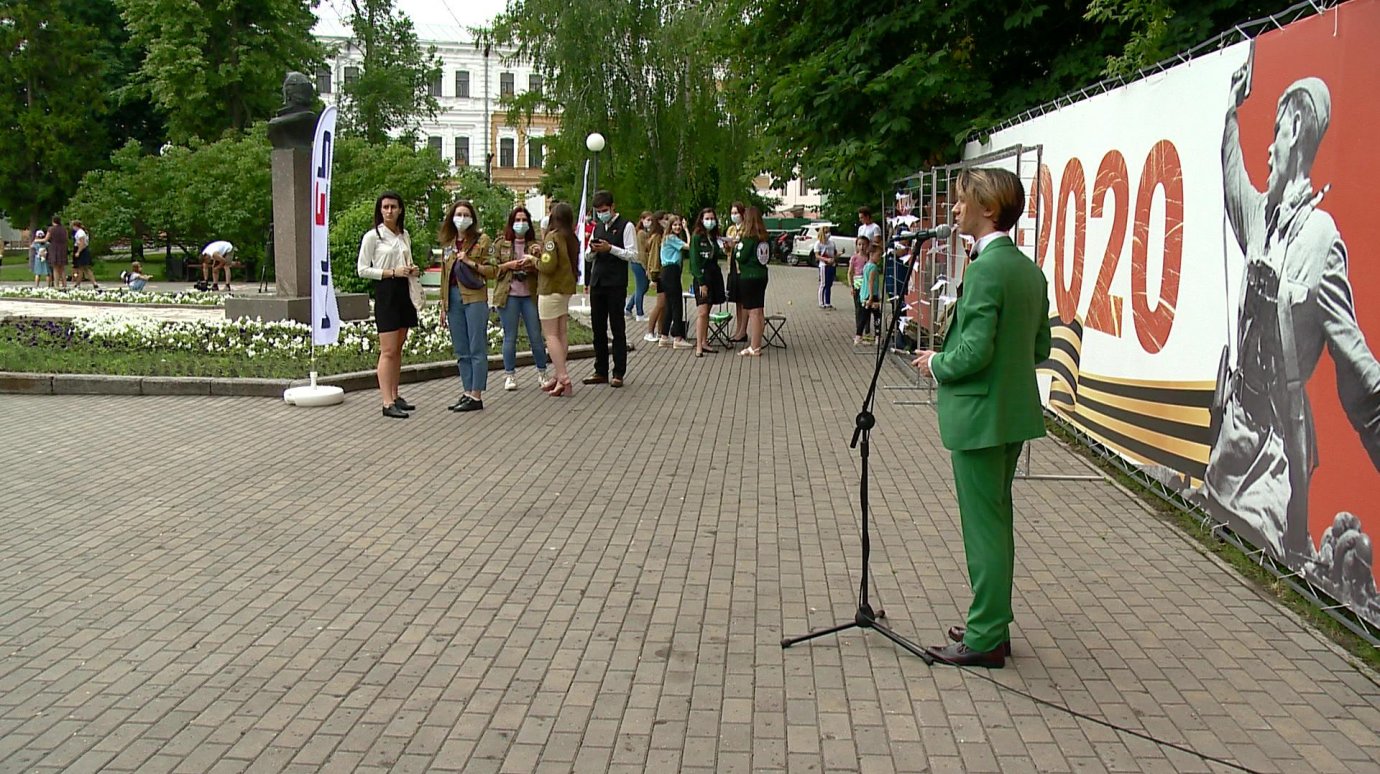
{"points": [[1161, 170]]}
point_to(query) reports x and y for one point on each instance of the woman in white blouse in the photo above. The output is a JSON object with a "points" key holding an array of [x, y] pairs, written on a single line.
{"points": [[385, 256]]}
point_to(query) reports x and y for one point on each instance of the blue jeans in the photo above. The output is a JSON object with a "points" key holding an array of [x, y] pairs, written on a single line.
{"points": [[469, 337], [525, 307], [641, 283]]}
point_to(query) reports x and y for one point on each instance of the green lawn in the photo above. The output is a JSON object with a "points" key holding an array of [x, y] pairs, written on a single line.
{"points": [[107, 269]]}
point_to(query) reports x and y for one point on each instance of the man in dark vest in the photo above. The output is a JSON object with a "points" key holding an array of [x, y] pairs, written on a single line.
{"points": [[613, 245]]}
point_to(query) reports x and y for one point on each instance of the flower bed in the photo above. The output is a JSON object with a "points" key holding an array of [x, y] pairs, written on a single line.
{"points": [[142, 346], [116, 296]]}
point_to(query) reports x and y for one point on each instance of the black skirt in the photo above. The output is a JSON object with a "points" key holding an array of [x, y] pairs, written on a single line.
{"points": [[714, 280], [393, 309], [83, 258], [752, 293]]}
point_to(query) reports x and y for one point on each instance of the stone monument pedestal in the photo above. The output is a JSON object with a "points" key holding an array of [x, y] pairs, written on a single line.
{"points": [[291, 168]]}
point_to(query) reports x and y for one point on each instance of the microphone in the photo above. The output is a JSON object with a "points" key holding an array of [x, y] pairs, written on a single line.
{"points": [[938, 232]]}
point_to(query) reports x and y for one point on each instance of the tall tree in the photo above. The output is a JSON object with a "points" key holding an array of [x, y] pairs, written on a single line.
{"points": [[650, 77], [213, 65], [392, 92], [1159, 29], [52, 95], [856, 93]]}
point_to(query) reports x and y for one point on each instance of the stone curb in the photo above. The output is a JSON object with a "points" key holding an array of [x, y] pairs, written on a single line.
{"points": [[95, 384]]}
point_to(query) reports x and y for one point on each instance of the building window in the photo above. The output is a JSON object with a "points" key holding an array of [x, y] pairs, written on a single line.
{"points": [[351, 74], [434, 88], [462, 83], [534, 84], [462, 151], [434, 145], [534, 152], [507, 150], [505, 85], [323, 80]]}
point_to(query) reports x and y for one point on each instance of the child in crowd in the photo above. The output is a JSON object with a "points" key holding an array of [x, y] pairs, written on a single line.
{"points": [[135, 278], [38, 260], [856, 264], [825, 255], [871, 292]]}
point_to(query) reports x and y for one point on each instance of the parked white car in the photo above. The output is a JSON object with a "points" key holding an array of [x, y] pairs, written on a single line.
{"points": [[803, 246]]}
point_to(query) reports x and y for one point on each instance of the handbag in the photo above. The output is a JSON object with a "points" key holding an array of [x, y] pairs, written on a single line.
{"points": [[415, 292], [466, 276]]}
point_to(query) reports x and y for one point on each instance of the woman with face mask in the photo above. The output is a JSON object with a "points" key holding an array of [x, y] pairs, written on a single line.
{"points": [[514, 256], [641, 282], [385, 256], [466, 268], [706, 250]]}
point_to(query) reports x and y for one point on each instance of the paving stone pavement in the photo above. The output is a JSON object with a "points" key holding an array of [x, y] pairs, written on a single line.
{"points": [[600, 583]]}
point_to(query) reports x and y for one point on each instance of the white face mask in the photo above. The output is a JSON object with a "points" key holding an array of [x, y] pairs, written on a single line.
{"points": [[736, 218], [463, 222], [710, 223], [520, 227]]}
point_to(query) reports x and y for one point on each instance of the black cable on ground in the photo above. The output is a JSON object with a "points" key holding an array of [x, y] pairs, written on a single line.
{"points": [[1099, 721]]}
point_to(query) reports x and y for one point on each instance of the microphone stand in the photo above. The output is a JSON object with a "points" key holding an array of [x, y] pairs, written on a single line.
{"points": [[866, 618]]}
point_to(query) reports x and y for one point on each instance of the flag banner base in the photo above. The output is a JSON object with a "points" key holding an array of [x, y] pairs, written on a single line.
{"points": [[314, 394]]}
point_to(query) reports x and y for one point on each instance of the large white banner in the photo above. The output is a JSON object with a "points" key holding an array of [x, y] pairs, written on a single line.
{"points": [[325, 314], [1208, 326]]}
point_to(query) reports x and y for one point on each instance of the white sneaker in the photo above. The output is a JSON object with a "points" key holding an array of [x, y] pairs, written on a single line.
{"points": [[857, 340], [682, 344], [664, 341], [509, 383], [542, 378], [641, 318], [651, 337]]}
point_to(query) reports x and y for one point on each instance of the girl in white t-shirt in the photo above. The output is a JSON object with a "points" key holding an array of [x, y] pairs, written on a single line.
{"points": [[827, 256]]}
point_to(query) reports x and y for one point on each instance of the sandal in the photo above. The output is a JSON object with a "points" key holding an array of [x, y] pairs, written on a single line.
{"points": [[749, 352]]}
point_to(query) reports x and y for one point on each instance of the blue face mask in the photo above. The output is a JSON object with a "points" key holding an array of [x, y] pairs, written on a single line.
{"points": [[520, 227], [604, 217]]}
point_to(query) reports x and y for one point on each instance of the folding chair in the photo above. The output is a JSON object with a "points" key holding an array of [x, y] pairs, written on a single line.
{"points": [[771, 331], [719, 321]]}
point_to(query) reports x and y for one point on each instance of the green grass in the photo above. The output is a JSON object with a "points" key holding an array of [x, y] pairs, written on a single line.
{"points": [[49, 351], [107, 269], [1244, 565]]}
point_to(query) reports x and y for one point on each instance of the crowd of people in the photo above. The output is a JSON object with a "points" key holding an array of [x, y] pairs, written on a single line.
{"points": [[529, 277]]}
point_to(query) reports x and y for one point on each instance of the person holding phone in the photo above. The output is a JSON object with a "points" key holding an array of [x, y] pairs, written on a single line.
{"points": [[706, 250], [514, 256], [385, 256], [612, 248], [466, 268]]}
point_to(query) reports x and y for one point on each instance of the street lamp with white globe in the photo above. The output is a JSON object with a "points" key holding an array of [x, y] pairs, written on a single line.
{"points": [[595, 143]]}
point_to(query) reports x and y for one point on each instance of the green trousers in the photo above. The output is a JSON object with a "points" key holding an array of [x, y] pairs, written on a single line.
{"points": [[983, 478]]}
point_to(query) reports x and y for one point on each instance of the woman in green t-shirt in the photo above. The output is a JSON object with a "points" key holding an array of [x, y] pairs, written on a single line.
{"points": [[751, 254]]}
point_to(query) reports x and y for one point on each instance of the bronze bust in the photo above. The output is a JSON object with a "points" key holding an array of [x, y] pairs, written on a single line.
{"points": [[295, 122]]}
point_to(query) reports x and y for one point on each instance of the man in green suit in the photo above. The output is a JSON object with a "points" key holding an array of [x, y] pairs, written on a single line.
{"points": [[989, 403]]}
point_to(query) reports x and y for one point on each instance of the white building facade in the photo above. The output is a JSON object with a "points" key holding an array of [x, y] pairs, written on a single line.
{"points": [[471, 127]]}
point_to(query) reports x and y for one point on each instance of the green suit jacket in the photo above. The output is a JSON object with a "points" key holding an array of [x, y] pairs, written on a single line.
{"points": [[986, 373]]}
